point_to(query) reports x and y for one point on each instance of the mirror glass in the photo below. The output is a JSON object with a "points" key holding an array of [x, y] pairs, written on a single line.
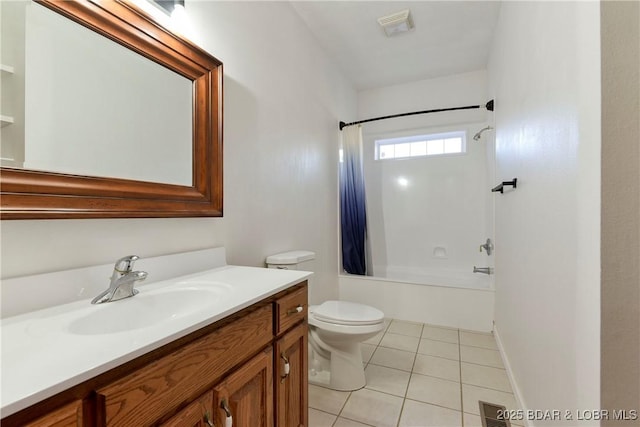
{"points": [[75, 102]]}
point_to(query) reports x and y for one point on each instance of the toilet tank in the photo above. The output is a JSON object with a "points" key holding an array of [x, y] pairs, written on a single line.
{"points": [[293, 260]]}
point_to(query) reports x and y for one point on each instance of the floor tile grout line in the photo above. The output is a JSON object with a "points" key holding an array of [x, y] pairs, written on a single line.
{"points": [[342, 408], [487, 388], [355, 421], [448, 342], [404, 335], [395, 348], [482, 348], [383, 392], [404, 399], [434, 404], [439, 357], [406, 390], [459, 355], [438, 378], [389, 367], [329, 413], [482, 364]]}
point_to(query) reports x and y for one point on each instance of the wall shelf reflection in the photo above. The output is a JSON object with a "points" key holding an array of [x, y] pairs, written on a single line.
{"points": [[6, 68], [6, 120]]}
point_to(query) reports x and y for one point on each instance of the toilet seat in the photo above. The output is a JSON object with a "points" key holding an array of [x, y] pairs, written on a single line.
{"points": [[336, 330], [347, 313]]}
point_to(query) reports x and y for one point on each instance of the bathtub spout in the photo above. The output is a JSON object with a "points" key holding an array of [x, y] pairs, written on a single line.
{"points": [[483, 270]]}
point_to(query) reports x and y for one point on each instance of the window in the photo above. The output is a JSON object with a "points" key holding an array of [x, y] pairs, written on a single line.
{"points": [[421, 145]]}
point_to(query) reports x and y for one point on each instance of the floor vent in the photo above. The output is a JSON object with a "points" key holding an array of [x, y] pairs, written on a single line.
{"points": [[492, 415]]}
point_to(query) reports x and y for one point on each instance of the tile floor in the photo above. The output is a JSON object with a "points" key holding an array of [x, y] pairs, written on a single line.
{"points": [[418, 376]]}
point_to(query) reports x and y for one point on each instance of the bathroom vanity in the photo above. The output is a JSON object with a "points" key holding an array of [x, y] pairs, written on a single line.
{"points": [[237, 355]]}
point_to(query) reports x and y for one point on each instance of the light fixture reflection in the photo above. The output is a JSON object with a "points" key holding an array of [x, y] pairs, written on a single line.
{"points": [[171, 14], [402, 182], [179, 18]]}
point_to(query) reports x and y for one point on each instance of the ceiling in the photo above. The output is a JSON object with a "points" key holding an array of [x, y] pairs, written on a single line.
{"points": [[449, 37]]}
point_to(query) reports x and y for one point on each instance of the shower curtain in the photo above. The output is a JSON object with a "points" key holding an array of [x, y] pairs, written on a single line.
{"points": [[352, 202]]}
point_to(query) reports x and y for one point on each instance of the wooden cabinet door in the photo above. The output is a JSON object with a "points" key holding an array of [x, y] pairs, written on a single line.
{"points": [[245, 398], [197, 414], [292, 386]]}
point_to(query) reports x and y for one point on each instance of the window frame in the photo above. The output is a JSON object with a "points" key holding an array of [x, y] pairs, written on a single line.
{"points": [[461, 133]]}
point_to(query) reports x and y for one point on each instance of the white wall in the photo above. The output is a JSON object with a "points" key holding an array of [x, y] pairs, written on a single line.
{"points": [[282, 103], [544, 75], [447, 199]]}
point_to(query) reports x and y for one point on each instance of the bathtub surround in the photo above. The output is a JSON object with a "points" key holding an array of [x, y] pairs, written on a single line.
{"points": [[437, 220], [442, 305], [433, 225], [547, 132]]}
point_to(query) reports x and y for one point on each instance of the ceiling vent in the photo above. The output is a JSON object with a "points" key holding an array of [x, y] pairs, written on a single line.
{"points": [[396, 23]]}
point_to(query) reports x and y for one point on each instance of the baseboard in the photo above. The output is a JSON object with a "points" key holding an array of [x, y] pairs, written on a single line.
{"points": [[512, 380]]}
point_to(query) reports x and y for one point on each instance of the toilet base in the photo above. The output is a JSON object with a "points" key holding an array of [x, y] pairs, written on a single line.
{"points": [[321, 378], [342, 371]]}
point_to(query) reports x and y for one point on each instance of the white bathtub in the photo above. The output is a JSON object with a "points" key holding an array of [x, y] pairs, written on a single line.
{"points": [[457, 300], [435, 277]]}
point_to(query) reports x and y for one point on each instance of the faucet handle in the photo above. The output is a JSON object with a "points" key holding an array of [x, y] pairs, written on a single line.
{"points": [[125, 264]]}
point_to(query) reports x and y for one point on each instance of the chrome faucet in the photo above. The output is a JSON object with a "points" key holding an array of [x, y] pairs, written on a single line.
{"points": [[122, 282], [483, 270], [487, 247]]}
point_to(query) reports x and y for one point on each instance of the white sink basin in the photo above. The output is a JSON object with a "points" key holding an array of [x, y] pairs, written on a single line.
{"points": [[146, 309]]}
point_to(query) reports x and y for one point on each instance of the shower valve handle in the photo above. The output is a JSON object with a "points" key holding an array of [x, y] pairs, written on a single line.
{"points": [[488, 246]]}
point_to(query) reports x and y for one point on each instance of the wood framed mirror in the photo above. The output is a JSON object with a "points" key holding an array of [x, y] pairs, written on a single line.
{"points": [[41, 194]]}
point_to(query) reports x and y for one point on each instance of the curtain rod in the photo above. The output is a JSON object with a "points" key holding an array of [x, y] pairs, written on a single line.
{"points": [[488, 106]]}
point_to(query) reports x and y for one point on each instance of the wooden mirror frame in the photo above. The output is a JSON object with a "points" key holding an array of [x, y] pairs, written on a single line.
{"points": [[29, 194]]}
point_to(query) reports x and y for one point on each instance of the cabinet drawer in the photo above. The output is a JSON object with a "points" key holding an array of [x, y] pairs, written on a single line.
{"points": [[67, 416], [140, 398], [290, 309]]}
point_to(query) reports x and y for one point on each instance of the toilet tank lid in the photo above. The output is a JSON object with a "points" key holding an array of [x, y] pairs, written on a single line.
{"points": [[292, 257]]}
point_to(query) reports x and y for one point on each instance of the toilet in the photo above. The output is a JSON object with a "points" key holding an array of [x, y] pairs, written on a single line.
{"points": [[336, 329]]}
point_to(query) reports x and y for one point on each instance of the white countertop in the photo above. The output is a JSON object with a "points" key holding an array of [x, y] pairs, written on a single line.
{"points": [[43, 354]]}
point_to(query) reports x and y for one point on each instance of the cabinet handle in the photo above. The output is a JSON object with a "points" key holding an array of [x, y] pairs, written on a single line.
{"points": [[286, 367], [296, 310], [228, 422], [207, 419]]}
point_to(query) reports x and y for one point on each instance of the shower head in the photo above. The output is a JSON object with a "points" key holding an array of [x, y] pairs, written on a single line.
{"points": [[477, 136]]}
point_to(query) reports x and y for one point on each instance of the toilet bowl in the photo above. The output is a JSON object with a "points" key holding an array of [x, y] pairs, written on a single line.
{"points": [[336, 329]]}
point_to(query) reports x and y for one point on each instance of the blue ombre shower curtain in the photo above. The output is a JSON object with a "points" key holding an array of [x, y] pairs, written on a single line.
{"points": [[353, 218]]}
